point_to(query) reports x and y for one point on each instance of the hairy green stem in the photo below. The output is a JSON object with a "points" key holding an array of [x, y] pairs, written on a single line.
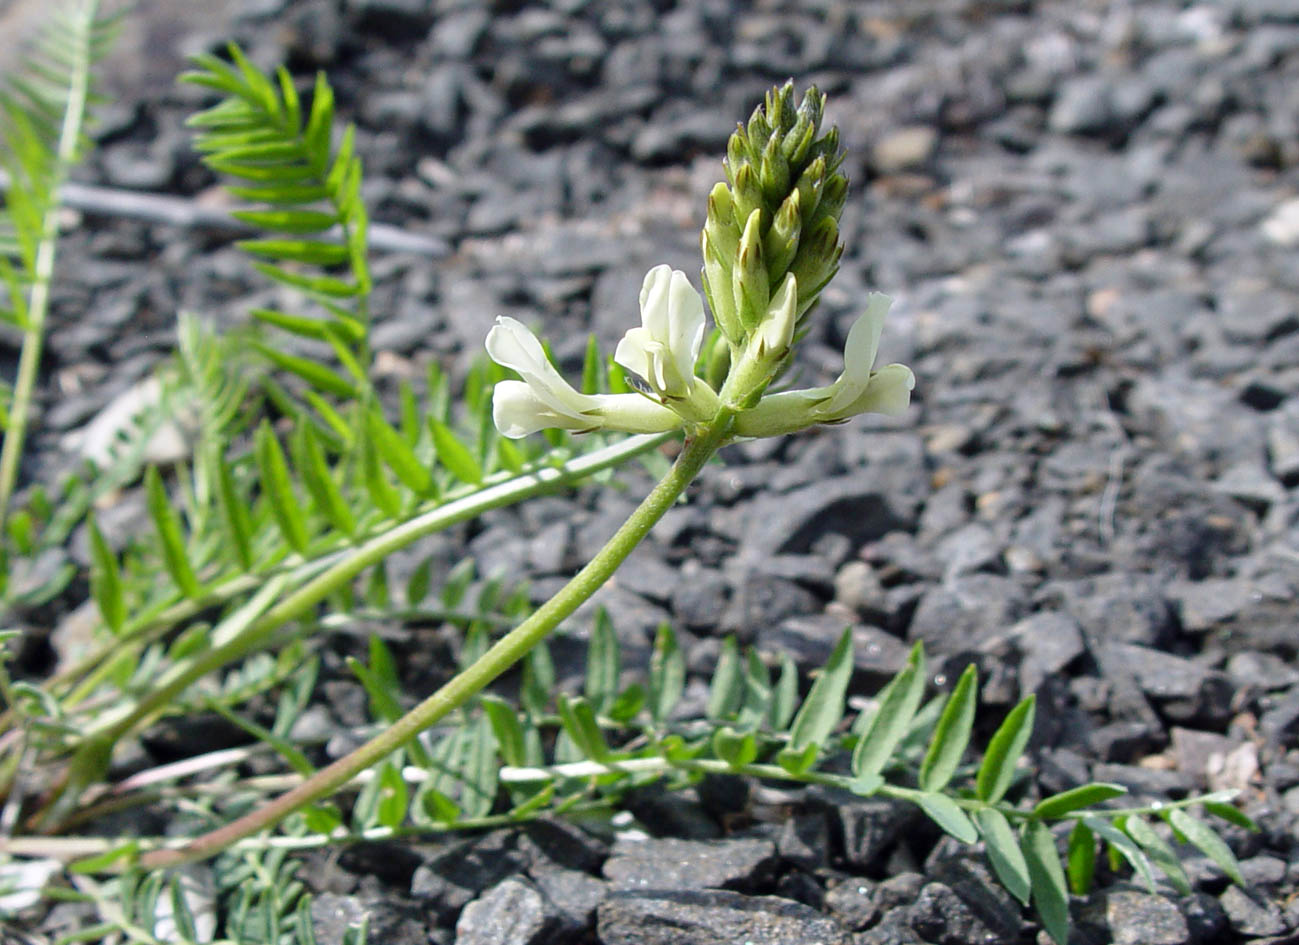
{"points": [[505, 653], [29, 361]]}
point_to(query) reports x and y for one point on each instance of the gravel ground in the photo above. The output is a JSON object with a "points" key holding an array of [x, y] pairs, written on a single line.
{"points": [[1088, 215]]}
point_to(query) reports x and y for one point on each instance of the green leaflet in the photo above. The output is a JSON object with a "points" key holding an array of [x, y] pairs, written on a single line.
{"points": [[326, 496], [998, 767], [823, 708], [1085, 795], [1122, 844], [603, 663], [1004, 853], [510, 738], [945, 812], [579, 722], [105, 579], [1159, 852], [1050, 897], [453, 454], [167, 524], [1209, 843], [1080, 859], [274, 475], [398, 455], [667, 674], [727, 688], [888, 725], [952, 733]]}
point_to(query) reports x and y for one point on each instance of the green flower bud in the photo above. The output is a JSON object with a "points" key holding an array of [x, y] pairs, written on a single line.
{"points": [[781, 242], [782, 185], [749, 277], [773, 173], [718, 288]]}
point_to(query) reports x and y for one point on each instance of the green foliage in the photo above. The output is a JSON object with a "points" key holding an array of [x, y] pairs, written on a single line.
{"points": [[44, 106], [556, 753]]}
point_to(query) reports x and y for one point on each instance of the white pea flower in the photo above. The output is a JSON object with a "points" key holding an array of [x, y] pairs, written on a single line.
{"points": [[857, 390], [544, 400], [664, 348]]}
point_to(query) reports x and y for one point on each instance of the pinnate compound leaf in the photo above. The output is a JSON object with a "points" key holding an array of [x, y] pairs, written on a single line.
{"points": [[105, 579], [898, 703], [1085, 795], [167, 523], [945, 812], [1050, 897], [1203, 837], [998, 767], [1004, 853], [823, 708], [1159, 852], [1080, 858], [952, 734]]}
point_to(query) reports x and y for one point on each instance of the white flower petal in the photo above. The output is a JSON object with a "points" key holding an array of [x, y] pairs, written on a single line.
{"points": [[511, 345], [654, 300], [632, 353], [685, 323], [517, 411], [888, 392], [859, 353]]}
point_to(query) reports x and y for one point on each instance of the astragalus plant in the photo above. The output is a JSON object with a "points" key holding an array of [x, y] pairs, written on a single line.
{"points": [[277, 530]]}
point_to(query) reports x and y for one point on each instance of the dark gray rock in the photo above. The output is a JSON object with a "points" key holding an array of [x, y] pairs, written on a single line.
{"points": [[669, 864], [712, 917], [1279, 723], [1115, 607], [804, 841], [855, 506], [1204, 605], [1251, 915], [1261, 670], [575, 895], [866, 830], [1139, 918], [852, 902], [699, 598], [510, 913], [1184, 690], [332, 915], [1048, 643], [941, 916], [450, 880], [963, 614]]}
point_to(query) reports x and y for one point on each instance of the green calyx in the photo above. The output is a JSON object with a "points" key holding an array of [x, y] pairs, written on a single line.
{"points": [[777, 213]]}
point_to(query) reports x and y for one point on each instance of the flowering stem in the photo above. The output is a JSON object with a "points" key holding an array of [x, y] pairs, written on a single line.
{"points": [[505, 653]]}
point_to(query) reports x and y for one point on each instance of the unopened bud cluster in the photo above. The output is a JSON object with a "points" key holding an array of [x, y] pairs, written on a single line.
{"points": [[770, 245]]}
